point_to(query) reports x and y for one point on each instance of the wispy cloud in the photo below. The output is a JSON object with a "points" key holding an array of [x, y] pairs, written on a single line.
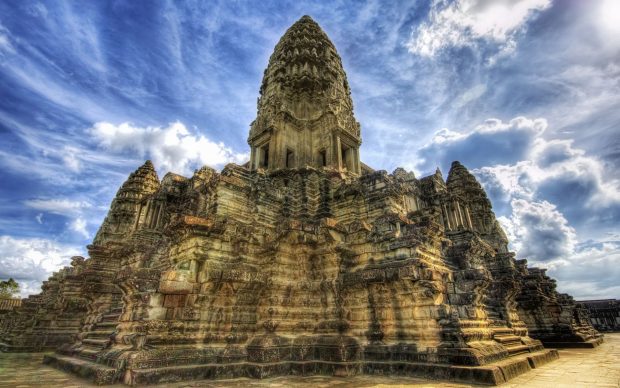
{"points": [[464, 22], [78, 225], [63, 206]]}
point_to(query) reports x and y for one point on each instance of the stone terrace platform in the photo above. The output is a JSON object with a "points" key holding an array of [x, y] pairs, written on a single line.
{"points": [[599, 367]]}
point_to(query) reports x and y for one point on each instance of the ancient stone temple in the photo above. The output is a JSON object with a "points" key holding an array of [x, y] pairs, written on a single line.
{"points": [[604, 314], [554, 318], [302, 261]]}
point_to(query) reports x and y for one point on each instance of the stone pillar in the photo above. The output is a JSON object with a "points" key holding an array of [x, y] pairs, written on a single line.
{"points": [[337, 152], [253, 162], [272, 162], [468, 217]]}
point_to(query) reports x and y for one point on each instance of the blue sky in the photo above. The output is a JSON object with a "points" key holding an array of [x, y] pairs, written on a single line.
{"points": [[523, 92]]}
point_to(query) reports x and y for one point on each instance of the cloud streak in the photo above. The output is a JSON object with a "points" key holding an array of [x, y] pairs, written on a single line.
{"points": [[463, 23]]}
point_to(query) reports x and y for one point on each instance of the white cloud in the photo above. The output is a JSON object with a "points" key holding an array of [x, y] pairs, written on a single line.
{"points": [[591, 272], [79, 226], [462, 22], [555, 163], [31, 260], [470, 95], [172, 148], [5, 41], [515, 159], [70, 159], [609, 17], [39, 218], [491, 143], [64, 207], [538, 231]]}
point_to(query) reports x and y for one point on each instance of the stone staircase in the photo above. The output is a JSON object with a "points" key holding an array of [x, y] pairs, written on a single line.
{"points": [[99, 337], [82, 358], [511, 342]]}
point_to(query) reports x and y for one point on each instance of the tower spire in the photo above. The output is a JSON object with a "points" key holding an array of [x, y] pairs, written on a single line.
{"points": [[305, 112]]}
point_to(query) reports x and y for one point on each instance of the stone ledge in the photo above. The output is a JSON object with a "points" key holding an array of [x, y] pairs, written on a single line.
{"points": [[8, 348], [492, 374], [585, 345], [97, 373]]}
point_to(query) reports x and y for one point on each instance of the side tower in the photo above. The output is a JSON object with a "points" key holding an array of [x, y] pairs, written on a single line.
{"points": [[305, 113], [126, 211]]}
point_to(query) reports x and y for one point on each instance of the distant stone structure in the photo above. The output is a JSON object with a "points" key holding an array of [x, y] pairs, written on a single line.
{"points": [[49, 319], [7, 305], [554, 318], [603, 313], [302, 261]]}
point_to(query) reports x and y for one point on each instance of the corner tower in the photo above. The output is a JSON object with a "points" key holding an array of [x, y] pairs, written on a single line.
{"points": [[305, 113]]}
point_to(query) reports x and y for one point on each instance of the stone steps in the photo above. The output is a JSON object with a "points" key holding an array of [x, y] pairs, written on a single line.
{"points": [[98, 334], [507, 339], [98, 338], [110, 317], [107, 324], [96, 342], [501, 331], [87, 353], [515, 349], [117, 310], [98, 373]]}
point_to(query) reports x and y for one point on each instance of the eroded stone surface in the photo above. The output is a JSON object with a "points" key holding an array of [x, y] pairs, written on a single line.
{"points": [[575, 368], [554, 318], [304, 261]]}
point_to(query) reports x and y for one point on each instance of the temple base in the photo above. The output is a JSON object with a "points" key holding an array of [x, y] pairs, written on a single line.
{"points": [[592, 343], [491, 374]]}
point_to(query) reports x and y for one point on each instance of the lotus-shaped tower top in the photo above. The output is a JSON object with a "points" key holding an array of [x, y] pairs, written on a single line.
{"points": [[305, 113]]}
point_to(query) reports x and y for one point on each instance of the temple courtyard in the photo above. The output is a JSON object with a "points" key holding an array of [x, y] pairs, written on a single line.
{"points": [[598, 367]]}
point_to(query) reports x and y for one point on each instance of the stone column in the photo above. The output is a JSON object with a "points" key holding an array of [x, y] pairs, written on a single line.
{"points": [[469, 224], [253, 162], [337, 157], [273, 144]]}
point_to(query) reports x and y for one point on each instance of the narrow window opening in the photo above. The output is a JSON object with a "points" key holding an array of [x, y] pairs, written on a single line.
{"points": [[346, 158], [264, 157], [290, 158], [322, 158]]}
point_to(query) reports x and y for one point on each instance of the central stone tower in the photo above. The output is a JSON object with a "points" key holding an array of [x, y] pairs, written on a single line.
{"points": [[305, 113]]}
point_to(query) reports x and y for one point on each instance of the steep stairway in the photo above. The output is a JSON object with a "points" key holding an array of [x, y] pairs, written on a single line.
{"points": [[511, 342], [81, 359], [99, 337]]}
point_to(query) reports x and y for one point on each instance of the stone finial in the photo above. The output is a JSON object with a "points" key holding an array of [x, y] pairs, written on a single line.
{"points": [[462, 181], [305, 89], [144, 178]]}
